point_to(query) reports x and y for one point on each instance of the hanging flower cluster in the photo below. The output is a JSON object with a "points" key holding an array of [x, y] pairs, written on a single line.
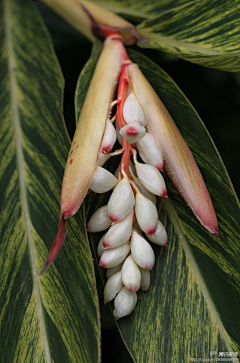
{"points": [[149, 136]]}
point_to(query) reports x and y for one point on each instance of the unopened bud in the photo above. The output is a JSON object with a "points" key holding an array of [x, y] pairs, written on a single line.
{"points": [[150, 152], [103, 181], [160, 235], [114, 256], [131, 276], [124, 303], [112, 270], [109, 137], [119, 233], [121, 201], [103, 158], [112, 287], [99, 220], [100, 247], [152, 179], [145, 279], [146, 213], [141, 188], [142, 252], [132, 132], [132, 111]]}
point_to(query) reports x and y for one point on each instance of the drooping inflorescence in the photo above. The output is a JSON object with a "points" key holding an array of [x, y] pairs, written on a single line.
{"points": [[147, 135]]}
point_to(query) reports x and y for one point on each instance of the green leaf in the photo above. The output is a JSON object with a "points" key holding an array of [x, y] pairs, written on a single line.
{"points": [[203, 32], [140, 9], [53, 317], [192, 305]]}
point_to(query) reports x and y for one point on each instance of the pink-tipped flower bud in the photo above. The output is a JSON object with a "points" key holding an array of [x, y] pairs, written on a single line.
{"points": [[103, 181], [160, 235], [145, 279], [141, 188], [121, 201], [152, 179], [132, 111], [100, 247], [112, 287], [109, 138], [131, 275], [112, 270], [99, 220], [124, 303], [119, 233], [114, 256], [132, 132], [146, 213], [103, 158], [142, 252], [150, 152]]}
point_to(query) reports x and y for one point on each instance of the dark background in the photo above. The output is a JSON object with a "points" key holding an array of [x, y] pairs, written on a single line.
{"points": [[214, 94]]}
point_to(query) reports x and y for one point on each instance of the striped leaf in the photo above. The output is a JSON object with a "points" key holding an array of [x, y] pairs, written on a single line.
{"points": [[53, 317], [192, 306], [140, 9], [203, 32]]}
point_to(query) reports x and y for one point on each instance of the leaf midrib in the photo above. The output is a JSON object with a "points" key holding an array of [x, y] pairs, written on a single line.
{"points": [[20, 167], [182, 239]]}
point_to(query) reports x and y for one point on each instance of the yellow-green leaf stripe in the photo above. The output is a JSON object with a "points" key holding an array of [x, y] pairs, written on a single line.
{"points": [[53, 317], [203, 32]]}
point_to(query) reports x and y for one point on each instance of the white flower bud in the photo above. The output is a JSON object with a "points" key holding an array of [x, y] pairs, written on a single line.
{"points": [[103, 158], [112, 287], [142, 252], [132, 111], [144, 191], [99, 220], [100, 247], [114, 256], [112, 270], [109, 138], [103, 181], [121, 201], [150, 152], [152, 179], [119, 233], [145, 279], [146, 213], [160, 235], [131, 275], [132, 132], [124, 303]]}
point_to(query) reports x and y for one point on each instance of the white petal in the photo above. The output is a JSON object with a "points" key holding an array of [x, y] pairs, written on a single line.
{"points": [[112, 287], [131, 276], [142, 252], [145, 279], [144, 191], [146, 213], [132, 132], [100, 247], [114, 256], [112, 270], [103, 181], [150, 152], [99, 220], [109, 137], [124, 303], [119, 233], [103, 158], [132, 111], [152, 179], [121, 201], [160, 236]]}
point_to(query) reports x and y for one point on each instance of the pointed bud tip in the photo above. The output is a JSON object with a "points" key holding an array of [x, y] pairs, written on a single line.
{"points": [[134, 288], [149, 267], [163, 194], [114, 219], [159, 166], [151, 231], [102, 264], [106, 245], [106, 149]]}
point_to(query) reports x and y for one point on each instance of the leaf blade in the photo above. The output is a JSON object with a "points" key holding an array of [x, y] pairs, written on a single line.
{"points": [[206, 33], [40, 317]]}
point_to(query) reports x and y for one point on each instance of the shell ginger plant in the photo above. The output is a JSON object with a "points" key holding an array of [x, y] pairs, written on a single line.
{"points": [[131, 186]]}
